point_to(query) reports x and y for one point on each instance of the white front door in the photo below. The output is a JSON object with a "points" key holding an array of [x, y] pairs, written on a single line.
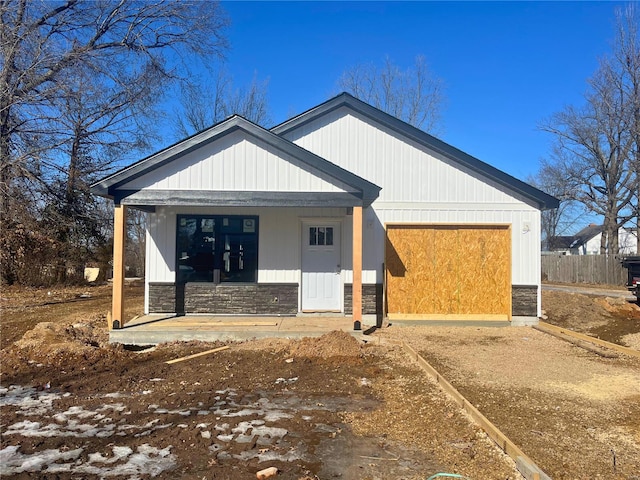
{"points": [[321, 279]]}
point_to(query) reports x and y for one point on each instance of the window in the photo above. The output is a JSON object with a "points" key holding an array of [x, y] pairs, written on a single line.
{"points": [[320, 236], [217, 248]]}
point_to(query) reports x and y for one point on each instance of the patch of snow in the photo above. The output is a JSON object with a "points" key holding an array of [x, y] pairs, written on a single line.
{"points": [[147, 461], [275, 415], [118, 454], [28, 399], [12, 461]]}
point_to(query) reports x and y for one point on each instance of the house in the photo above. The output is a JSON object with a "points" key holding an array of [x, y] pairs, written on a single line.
{"points": [[341, 209], [558, 244], [587, 241]]}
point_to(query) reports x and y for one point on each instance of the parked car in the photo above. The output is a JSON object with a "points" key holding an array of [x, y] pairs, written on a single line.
{"points": [[632, 264]]}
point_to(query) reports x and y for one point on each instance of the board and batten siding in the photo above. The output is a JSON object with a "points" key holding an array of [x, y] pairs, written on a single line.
{"points": [[406, 171], [236, 162], [419, 186]]}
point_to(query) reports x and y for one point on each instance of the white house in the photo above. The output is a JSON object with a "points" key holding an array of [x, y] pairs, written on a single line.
{"points": [[587, 241], [341, 209]]}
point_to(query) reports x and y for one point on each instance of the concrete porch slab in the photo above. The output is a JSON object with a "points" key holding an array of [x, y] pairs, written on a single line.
{"points": [[154, 329]]}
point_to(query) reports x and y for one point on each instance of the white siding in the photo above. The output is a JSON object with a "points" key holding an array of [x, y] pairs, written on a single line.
{"points": [[236, 162], [627, 244], [406, 171], [161, 246], [419, 186], [278, 236]]}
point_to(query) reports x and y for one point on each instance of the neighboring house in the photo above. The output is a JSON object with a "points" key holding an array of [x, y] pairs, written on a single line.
{"points": [[559, 244], [341, 209], [587, 241]]}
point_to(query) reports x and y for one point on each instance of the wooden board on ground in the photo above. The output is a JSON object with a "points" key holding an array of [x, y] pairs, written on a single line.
{"points": [[549, 328], [195, 355], [524, 464]]}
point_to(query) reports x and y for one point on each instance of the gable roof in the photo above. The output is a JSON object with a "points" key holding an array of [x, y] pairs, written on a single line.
{"points": [[586, 234], [108, 186], [560, 242], [543, 200]]}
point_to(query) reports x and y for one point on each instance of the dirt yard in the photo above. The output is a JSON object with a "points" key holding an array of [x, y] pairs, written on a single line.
{"points": [[74, 407]]}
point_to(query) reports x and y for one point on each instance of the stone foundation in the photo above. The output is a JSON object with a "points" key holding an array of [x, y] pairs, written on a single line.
{"points": [[282, 299], [162, 297], [224, 299], [371, 299], [524, 300]]}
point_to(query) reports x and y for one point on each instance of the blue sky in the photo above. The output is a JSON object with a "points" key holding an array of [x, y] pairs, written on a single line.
{"points": [[506, 65]]}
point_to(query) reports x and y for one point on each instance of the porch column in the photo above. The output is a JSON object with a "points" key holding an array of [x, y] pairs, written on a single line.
{"points": [[357, 268], [117, 305]]}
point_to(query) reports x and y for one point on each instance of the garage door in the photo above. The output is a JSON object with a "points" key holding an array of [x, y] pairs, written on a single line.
{"points": [[448, 271]]}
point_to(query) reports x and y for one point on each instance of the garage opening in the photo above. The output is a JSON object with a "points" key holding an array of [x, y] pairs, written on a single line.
{"points": [[448, 272]]}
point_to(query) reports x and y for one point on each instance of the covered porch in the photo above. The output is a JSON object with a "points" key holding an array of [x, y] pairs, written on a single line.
{"points": [[203, 295], [242, 223]]}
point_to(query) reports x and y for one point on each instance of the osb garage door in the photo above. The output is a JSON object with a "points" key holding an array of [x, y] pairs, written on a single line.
{"points": [[448, 272]]}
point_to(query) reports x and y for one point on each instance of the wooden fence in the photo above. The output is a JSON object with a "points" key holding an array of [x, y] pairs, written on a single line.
{"points": [[593, 269]]}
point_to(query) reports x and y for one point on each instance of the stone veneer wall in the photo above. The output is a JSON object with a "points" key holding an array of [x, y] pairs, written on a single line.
{"points": [[371, 299], [282, 299], [228, 298], [162, 297], [524, 300]]}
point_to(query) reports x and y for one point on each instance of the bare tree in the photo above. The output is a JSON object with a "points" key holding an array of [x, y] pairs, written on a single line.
{"points": [[601, 140], [414, 95], [76, 81], [204, 104], [596, 144], [623, 71], [550, 178]]}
